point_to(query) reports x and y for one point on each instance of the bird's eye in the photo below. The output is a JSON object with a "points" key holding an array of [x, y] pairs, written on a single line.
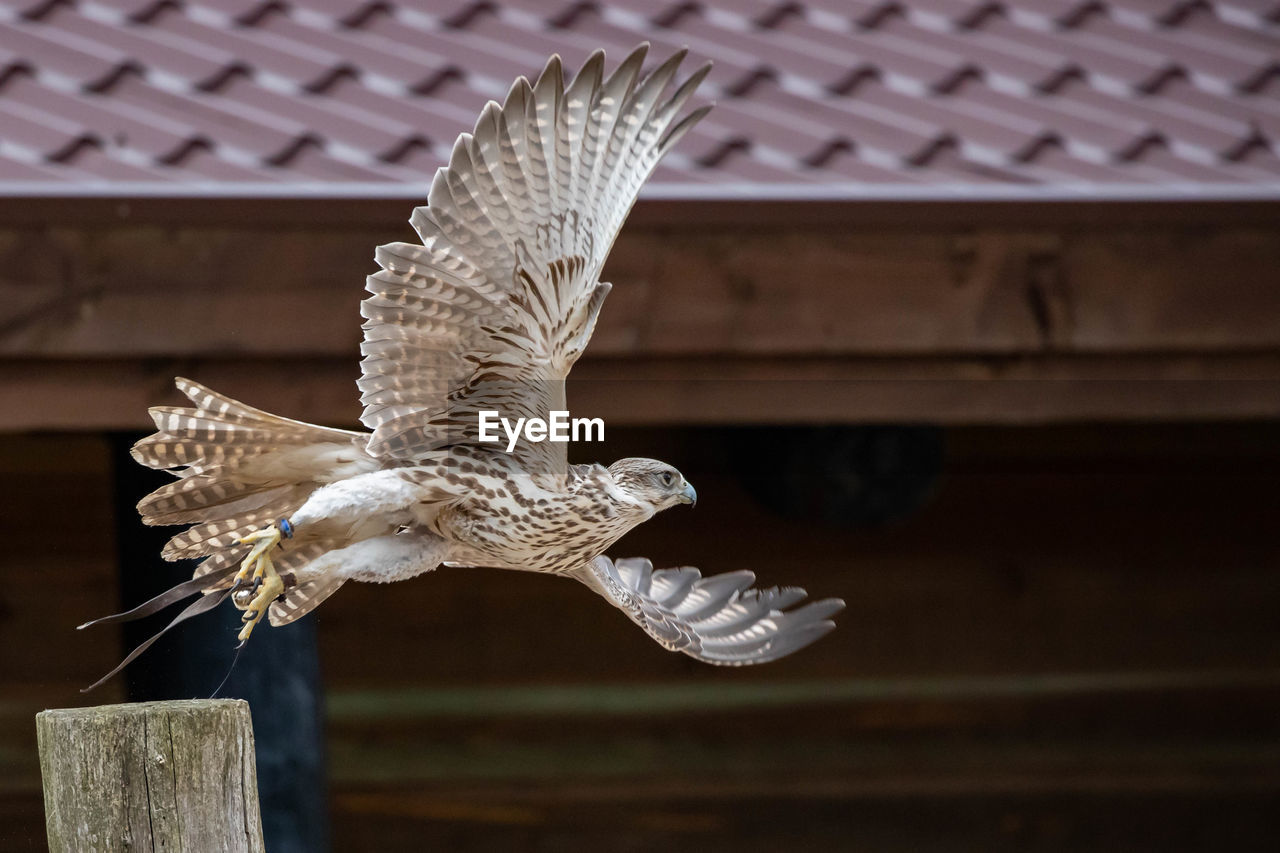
{"points": [[667, 479]]}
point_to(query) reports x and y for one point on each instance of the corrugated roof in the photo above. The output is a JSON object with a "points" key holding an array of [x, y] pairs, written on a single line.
{"points": [[817, 94]]}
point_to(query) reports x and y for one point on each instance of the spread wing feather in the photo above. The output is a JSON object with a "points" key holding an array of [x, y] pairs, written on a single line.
{"points": [[720, 619], [501, 298]]}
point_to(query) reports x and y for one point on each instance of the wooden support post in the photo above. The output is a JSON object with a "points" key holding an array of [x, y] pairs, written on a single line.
{"points": [[279, 676], [150, 776]]}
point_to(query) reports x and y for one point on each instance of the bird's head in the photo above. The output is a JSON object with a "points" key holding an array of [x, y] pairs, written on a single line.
{"points": [[652, 482]]}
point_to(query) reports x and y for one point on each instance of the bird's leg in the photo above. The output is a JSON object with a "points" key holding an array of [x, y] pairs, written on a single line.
{"points": [[259, 572]]}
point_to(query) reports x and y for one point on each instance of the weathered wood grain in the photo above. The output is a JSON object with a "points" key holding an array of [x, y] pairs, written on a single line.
{"points": [[109, 394], [608, 816], [93, 319], [152, 291], [150, 776]]}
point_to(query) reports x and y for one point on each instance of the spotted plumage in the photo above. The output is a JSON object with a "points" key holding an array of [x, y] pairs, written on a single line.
{"points": [[489, 312]]}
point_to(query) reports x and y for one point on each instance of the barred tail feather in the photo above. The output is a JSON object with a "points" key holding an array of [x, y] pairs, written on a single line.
{"points": [[203, 539], [304, 598], [238, 468], [223, 431], [195, 498], [214, 566]]}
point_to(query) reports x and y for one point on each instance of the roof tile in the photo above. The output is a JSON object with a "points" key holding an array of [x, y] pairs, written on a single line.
{"points": [[1212, 133], [236, 127], [1007, 133], [343, 125], [53, 137], [21, 171], [92, 163], [364, 51], [745, 165], [1041, 92], [1235, 61], [73, 58], [196, 64], [125, 11], [819, 63], [1056, 167], [926, 65], [200, 162], [225, 12], [479, 57], [798, 138], [310, 160], [300, 63], [147, 132], [960, 51], [1161, 157], [889, 136], [729, 73], [1102, 60]]}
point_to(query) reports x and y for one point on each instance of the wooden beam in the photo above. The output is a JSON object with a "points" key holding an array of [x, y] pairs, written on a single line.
{"points": [[151, 776], [944, 325], [389, 206], [106, 395], [216, 293]]}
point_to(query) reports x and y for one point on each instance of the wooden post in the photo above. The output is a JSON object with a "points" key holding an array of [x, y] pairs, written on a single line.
{"points": [[280, 677], [150, 776]]}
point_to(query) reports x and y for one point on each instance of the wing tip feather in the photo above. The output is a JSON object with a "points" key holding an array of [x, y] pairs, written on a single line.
{"points": [[716, 619]]}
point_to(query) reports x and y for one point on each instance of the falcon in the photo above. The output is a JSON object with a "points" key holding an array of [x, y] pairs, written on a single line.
{"points": [[488, 314]]}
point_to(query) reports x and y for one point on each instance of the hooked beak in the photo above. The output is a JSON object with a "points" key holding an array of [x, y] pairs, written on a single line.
{"points": [[689, 495]]}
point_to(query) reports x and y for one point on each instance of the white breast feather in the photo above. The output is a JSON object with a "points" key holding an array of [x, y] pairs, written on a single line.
{"points": [[383, 498]]}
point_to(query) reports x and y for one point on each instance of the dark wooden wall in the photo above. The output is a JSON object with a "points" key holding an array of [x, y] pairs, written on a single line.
{"points": [[962, 321], [1072, 646]]}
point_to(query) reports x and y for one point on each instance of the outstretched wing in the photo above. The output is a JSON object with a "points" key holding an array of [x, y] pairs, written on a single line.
{"points": [[720, 619], [498, 302]]}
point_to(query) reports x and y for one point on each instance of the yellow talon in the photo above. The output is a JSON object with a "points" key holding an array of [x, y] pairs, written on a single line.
{"points": [[263, 541], [270, 590], [258, 571]]}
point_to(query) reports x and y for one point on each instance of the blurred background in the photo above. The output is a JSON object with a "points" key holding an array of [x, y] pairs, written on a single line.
{"points": [[966, 312]]}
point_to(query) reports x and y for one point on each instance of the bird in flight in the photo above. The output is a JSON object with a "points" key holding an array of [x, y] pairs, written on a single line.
{"points": [[488, 314]]}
